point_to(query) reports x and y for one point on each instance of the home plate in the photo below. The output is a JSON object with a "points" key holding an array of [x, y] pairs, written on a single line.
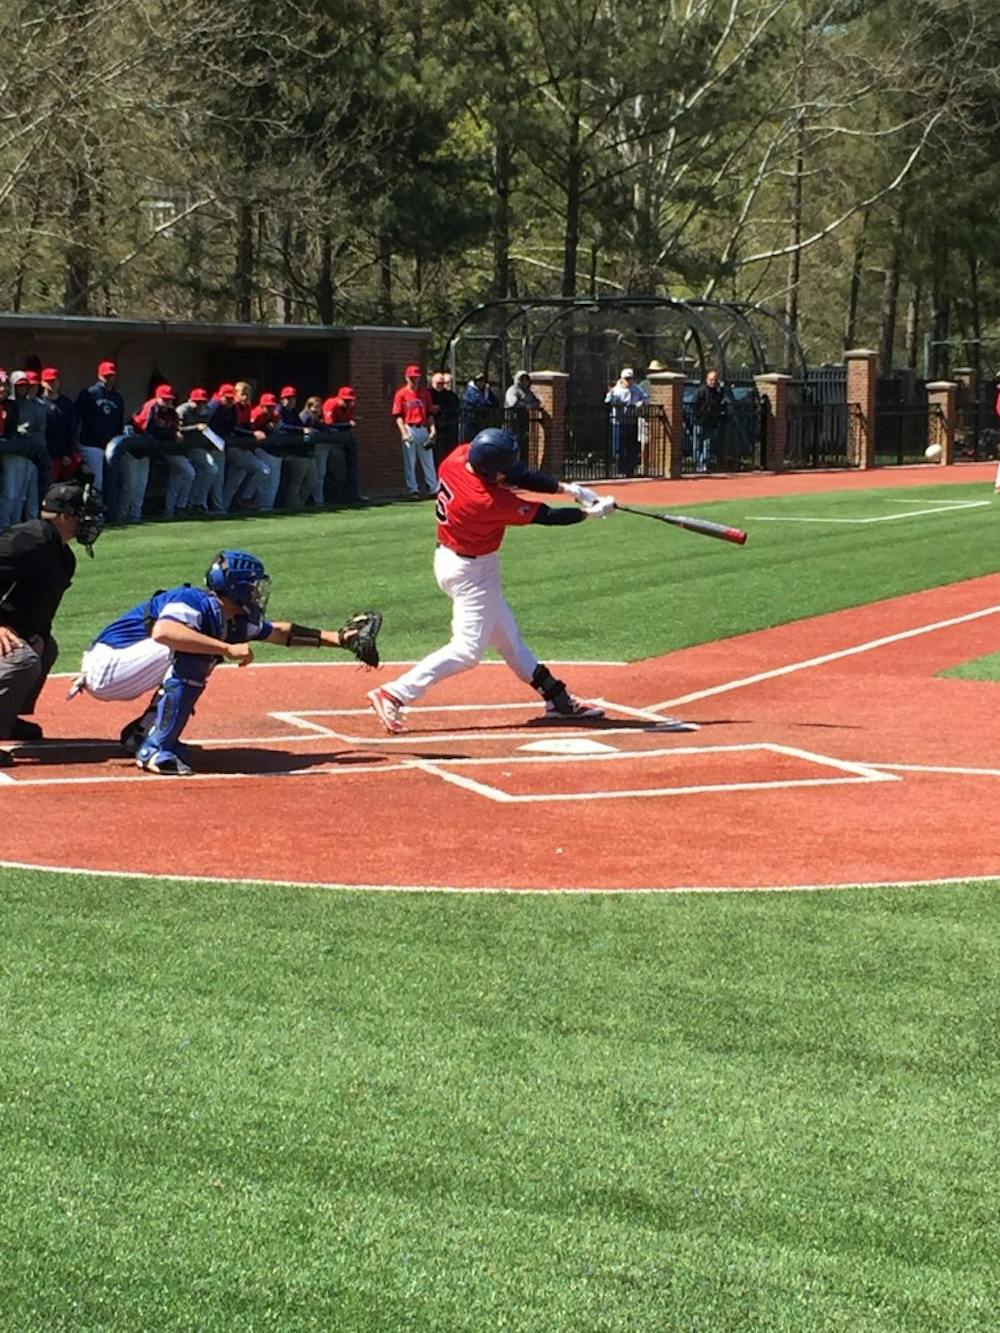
{"points": [[568, 745]]}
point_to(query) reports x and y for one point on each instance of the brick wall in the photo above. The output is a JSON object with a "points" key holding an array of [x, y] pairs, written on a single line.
{"points": [[377, 362]]}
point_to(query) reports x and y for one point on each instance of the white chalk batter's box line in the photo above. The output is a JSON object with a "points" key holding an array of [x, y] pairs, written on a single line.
{"points": [[848, 773], [303, 718], [450, 771]]}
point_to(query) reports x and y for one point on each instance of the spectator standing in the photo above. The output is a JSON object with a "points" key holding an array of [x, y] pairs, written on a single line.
{"points": [[272, 447], [60, 428], [26, 466], [209, 462], [413, 410], [479, 407], [298, 461], [708, 412], [339, 418], [518, 401], [446, 402], [155, 429], [625, 398], [100, 410]]}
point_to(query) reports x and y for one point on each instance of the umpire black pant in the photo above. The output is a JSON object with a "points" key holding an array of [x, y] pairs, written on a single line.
{"points": [[23, 672]]}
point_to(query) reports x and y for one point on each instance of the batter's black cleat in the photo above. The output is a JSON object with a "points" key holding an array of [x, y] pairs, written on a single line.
{"points": [[565, 708], [6, 758]]}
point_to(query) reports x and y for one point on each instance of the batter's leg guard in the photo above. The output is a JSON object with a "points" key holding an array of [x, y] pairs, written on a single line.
{"points": [[558, 700], [160, 751]]}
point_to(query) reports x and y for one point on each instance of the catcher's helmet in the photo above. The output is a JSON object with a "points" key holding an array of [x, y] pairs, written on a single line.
{"points": [[242, 578], [494, 450]]}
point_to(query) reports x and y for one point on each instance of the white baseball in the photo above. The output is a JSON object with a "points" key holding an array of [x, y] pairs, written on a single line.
{"points": [[933, 452]]}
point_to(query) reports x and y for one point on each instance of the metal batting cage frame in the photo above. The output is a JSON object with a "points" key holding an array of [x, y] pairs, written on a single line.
{"points": [[592, 338]]}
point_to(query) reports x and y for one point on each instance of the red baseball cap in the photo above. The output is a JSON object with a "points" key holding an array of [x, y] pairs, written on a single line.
{"points": [[49, 374], [107, 368], [198, 396], [412, 370], [346, 392], [31, 376], [289, 392], [269, 400], [165, 391], [225, 390]]}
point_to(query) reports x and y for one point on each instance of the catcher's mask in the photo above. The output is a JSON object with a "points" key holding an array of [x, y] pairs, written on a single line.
{"points": [[82, 500], [495, 451], [242, 578]]}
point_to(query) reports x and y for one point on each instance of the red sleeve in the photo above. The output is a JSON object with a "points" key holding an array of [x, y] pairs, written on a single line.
{"points": [[141, 418], [515, 510], [397, 403]]}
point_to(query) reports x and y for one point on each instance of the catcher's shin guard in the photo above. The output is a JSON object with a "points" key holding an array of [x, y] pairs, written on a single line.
{"points": [[134, 733], [175, 702]]}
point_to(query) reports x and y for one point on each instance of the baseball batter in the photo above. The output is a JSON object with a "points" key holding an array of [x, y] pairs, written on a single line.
{"points": [[475, 506], [172, 643]]}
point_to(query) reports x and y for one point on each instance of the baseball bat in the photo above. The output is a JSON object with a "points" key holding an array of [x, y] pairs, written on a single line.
{"points": [[701, 525]]}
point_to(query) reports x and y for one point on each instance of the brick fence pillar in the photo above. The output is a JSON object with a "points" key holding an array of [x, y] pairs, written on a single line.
{"points": [[547, 428], [862, 373], [376, 361], [943, 430], [773, 390], [666, 393]]}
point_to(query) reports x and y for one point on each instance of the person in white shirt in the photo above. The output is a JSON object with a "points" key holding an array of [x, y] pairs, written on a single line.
{"points": [[625, 398]]}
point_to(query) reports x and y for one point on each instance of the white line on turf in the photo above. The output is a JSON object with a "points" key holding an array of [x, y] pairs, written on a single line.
{"points": [[949, 507], [78, 872], [810, 662]]}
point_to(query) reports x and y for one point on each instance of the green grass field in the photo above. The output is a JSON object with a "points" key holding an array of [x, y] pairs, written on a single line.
{"points": [[250, 1107]]}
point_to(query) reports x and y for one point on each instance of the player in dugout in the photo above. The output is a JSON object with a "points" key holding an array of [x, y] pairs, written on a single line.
{"points": [[475, 506], [172, 642]]}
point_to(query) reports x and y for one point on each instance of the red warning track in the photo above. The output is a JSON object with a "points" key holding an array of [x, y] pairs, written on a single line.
{"points": [[829, 753]]}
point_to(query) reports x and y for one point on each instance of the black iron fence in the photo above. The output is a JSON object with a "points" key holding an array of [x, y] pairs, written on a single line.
{"points": [[614, 440], [733, 443], [822, 434], [904, 430], [978, 424]]}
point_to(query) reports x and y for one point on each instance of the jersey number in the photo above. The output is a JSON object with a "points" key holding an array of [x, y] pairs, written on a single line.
{"points": [[444, 498]]}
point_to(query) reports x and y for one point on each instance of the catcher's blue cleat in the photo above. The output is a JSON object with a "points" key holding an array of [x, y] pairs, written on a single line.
{"points": [[163, 762]]}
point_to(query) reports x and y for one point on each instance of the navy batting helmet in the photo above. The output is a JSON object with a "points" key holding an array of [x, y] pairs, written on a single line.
{"points": [[242, 578], [494, 450]]}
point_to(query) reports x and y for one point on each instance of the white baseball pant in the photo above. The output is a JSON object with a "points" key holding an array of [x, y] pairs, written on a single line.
{"points": [[480, 619], [125, 673]]}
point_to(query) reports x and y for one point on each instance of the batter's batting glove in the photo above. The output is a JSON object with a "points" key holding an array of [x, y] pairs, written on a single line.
{"points": [[602, 507], [359, 636], [582, 494]]}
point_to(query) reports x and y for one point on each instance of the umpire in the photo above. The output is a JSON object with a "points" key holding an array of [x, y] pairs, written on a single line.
{"points": [[36, 568]]}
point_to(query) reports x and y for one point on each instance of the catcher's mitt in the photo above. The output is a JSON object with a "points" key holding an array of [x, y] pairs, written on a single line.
{"points": [[359, 635]]}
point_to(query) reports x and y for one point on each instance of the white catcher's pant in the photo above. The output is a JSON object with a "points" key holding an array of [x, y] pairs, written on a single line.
{"points": [[125, 673], [480, 619]]}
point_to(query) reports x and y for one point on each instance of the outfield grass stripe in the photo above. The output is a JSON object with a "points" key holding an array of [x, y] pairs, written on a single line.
{"points": [[824, 658]]}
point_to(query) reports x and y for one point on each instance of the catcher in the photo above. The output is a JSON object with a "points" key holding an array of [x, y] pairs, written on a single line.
{"points": [[173, 642]]}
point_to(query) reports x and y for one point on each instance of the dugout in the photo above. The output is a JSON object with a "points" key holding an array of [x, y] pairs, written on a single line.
{"points": [[317, 359]]}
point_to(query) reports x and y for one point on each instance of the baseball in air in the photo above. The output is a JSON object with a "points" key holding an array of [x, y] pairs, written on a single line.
{"points": [[933, 452]]}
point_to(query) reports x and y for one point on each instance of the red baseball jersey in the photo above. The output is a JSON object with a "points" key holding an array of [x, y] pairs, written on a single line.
{"points": [[472, 513], [415, 406]]}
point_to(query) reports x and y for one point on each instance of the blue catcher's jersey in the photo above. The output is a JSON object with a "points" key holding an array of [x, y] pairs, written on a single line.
{"points": [[195, 607]]}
